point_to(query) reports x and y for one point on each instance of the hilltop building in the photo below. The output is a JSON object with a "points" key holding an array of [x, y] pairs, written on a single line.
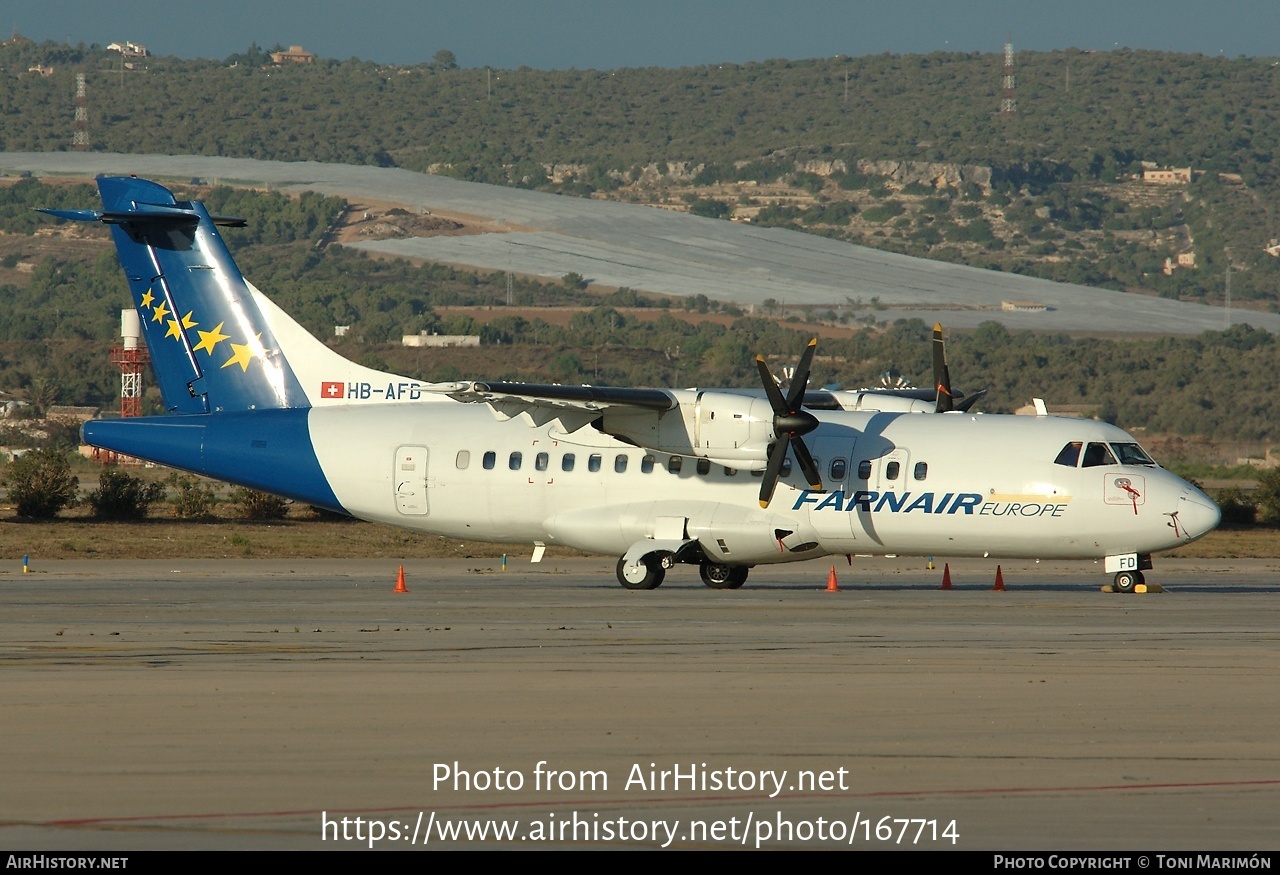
{"points": [[295, 55]]}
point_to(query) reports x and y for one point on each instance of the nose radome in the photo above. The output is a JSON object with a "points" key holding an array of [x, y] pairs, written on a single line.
{"points": [[1198, 515]]}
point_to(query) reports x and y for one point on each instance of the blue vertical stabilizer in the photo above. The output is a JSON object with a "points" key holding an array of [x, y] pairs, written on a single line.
{"points": [[239, 412], [211, 347]]}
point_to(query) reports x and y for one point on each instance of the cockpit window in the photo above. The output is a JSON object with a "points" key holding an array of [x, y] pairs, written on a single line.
{"points": [[1070, 455], [1132, 454], [1097, 454]]}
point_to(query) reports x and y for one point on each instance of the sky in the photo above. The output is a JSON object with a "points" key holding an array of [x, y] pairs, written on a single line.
{"points": [[606, 34]]}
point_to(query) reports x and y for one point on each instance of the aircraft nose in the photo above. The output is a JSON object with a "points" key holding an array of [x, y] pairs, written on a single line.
{"points": [[1197, 514]]}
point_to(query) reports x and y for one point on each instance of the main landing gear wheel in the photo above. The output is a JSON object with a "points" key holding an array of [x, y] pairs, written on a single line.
{"points": [[719, 576], [1127, 580], [647, 574]]}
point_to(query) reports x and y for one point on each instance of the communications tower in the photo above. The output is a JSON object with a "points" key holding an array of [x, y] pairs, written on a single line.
{"points": [[80, 136], [1008, 103]]}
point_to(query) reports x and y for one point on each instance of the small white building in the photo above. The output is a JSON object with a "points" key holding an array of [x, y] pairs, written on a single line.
{"points": [[440, 340]]}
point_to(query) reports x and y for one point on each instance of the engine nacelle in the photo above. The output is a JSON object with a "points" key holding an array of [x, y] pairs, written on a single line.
{"points": [[728, 428]]}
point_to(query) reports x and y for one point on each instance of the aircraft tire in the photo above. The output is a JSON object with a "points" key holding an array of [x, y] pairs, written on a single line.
{"points": [[717, 576], [651, 579], [1126, 580], [739, 577]]}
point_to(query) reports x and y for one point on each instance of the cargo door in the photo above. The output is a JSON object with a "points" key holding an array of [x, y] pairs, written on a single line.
{"points": [[410, 480]]}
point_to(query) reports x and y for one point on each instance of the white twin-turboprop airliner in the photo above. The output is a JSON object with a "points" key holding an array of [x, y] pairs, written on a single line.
{"points": [[656, 477]]}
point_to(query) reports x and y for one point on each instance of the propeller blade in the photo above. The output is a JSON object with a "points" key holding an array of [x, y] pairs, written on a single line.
{"points": [[776, 458], [800, 380], [968, 401], [806, 465], [771, 389], [941, 374], [790, 421]]}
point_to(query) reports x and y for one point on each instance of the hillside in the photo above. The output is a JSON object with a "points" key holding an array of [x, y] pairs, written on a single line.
{"points": [[61, 292], [833, 146]]}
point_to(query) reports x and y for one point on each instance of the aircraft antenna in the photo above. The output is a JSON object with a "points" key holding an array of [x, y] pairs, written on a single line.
{"points": [[1008, 103]]}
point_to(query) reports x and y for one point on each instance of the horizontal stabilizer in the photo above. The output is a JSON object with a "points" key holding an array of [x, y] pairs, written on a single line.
{"points": [[144, 213]]}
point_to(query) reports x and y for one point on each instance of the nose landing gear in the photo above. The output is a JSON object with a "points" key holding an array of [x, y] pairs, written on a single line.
{"points": [[1127, 581]]}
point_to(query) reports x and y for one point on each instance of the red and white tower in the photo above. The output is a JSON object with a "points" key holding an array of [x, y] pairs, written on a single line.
{"points": [[130, 357]]}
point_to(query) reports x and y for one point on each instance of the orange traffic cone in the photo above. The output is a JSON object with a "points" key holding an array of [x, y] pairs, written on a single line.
{"points": [[946, 576], [999, 587], [400, 587], [832, 585]]}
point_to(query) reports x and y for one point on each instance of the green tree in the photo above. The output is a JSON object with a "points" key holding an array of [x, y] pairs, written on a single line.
{"points": [[445, 59], [40, 483], [709, 208]]}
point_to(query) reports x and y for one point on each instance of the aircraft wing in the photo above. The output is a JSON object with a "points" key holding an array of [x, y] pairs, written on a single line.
{"points": [[574, 406]]}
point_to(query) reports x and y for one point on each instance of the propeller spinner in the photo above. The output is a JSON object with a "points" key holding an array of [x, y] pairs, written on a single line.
{"points": [[790, 424]]}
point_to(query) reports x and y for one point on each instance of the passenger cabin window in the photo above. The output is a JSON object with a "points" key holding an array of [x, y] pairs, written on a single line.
{"points": [[864, 469], [541, 461], [786, 466], [839, 467], [1132, 454], [891, 470], [921, 471], [593, 462], [566, 462], [704, 466], [490, 459], [1097, 454], [646, 465], [1070, 455], [514, 461], [464, 459], [674, 464], [620, 463]]}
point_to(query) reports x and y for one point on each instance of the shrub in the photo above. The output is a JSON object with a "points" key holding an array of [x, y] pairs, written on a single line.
{"points": [[194, 498], [1237, 507], [122, 496], [1267, 495], [40, 483], [254, 505]]}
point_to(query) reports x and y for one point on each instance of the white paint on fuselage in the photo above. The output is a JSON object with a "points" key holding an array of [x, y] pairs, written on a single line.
{"points": [[990, 486]]}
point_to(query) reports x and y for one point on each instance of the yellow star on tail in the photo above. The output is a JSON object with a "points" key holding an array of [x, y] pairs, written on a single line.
{"points": [[158, 314], [242, 354], [175, 330], [210, 339], [147, 298]]}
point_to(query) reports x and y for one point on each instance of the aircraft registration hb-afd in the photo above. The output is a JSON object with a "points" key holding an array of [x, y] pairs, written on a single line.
{"points": [[654, 476]]}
